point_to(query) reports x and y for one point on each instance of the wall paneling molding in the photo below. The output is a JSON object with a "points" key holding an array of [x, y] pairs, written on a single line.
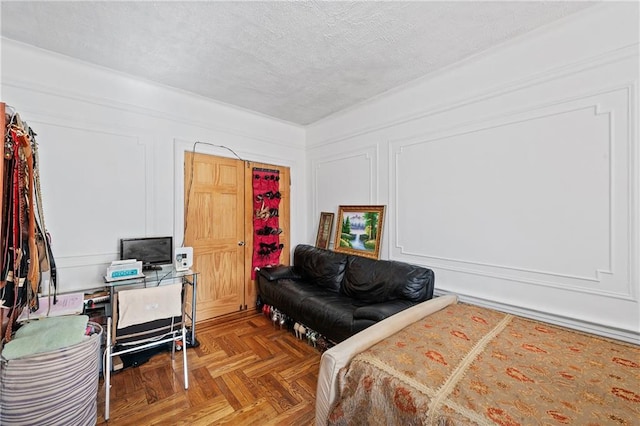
{"points": [[610, 112], [337, 168], [563, 71], [79, 188]]}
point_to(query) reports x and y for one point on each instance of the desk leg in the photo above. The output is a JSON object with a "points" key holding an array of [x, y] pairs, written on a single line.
{"points": [[194, 284], [109, 306], [106, 373]]}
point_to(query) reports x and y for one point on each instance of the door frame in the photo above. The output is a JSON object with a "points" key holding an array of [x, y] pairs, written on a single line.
{"points": [[181, 146]]}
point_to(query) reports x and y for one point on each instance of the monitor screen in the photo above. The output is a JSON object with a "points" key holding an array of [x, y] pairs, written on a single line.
{"points": [[151, 251]]}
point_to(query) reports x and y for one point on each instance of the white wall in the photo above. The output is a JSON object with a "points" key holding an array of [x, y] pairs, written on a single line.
{"points": [[514, 175], [111, 150]]}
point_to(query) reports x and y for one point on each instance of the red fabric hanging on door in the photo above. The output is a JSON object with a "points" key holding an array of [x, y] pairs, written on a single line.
{"points": [[266, 230]]}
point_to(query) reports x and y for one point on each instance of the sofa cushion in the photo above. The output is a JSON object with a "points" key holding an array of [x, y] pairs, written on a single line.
{"points": [[330, 315], [325, 268], [379, 311], [376, 281], [288, 295]]}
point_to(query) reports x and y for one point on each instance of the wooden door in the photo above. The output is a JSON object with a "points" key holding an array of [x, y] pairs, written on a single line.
{"points": [[219, 218], [215, 222]]}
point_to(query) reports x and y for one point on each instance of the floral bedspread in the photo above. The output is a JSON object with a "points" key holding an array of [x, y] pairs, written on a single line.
{"points": [[470, 365]]}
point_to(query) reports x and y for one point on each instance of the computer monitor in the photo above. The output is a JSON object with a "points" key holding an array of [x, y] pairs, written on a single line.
{"points": [[152, 251]]}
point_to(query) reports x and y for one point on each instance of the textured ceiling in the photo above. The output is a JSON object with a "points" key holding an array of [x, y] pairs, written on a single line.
{"points": [[296, 61]]}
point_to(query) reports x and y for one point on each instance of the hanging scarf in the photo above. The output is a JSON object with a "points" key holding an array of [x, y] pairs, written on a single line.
{"points": [[20, 235]]}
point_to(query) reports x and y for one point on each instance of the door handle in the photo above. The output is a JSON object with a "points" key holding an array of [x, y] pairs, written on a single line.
{"points": [[241, 243]]}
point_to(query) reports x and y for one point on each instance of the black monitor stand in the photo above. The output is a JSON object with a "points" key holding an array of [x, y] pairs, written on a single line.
{"points": [[150, 267]]}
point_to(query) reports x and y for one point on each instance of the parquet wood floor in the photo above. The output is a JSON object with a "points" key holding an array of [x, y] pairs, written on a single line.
{"points": [[245, 372]]}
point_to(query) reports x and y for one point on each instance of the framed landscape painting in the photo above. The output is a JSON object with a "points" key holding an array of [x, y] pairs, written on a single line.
{"points": [[359, 230], [324, 230]]}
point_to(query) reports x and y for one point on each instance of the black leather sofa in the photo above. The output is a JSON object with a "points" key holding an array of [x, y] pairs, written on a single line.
{"points": [[338, 295]]}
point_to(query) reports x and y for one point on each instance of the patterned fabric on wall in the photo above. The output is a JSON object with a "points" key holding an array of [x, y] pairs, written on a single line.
{"points": [[266, 230]]}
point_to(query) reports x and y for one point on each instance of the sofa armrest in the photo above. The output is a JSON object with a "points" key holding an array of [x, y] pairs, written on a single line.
{"points": [[380, 311], [280, 272]]}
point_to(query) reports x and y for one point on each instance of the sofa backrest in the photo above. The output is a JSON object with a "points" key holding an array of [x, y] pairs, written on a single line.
{"points": [[376, 281], [323, 267]]}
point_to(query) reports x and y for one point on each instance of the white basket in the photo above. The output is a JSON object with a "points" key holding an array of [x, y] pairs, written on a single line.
{"points": [[52, 388]]}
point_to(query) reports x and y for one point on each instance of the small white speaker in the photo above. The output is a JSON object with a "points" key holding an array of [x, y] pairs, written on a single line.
{"points": [[183, 258]]}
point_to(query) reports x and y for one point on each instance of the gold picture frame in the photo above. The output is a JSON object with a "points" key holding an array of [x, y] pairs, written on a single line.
{"points": [[324, 230], [359, 230]]}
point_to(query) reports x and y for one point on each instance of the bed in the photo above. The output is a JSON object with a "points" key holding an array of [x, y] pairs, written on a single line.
{"points": [[450, 363]]}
